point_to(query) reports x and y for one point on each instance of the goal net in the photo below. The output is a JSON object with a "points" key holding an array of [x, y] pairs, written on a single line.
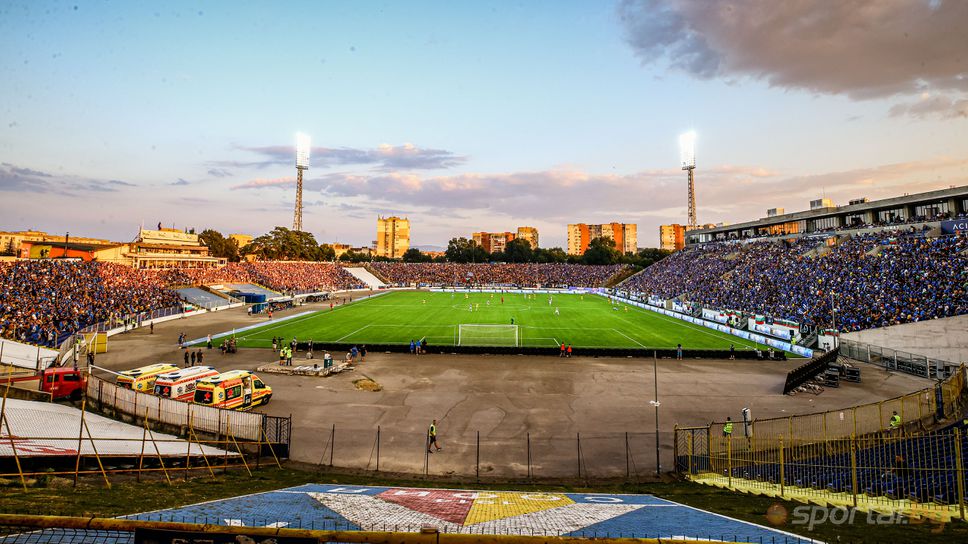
{"points": [[487, 335]]}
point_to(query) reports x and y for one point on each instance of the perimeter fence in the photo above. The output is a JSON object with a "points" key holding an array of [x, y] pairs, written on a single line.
{"points": [[852, 457]]}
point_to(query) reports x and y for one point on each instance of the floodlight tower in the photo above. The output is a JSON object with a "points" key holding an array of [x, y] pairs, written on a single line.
{"points": [[302, 163], [687, 156]]}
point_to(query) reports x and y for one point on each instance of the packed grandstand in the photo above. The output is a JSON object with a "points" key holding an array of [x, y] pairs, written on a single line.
{"points": [[872, 280]]}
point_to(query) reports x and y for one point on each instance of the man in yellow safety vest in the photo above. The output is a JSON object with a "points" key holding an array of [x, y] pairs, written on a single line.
{"points": [[728, 428], [895, 423], [432, 437]]}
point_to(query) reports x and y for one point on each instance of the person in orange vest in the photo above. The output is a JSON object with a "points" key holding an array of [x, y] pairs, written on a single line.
{"points": [[562, 354], [569, 351]]}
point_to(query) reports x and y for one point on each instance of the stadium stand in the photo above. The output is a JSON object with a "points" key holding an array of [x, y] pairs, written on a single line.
{"points": [[202, 298], [878, 279], [278, 276], [45, 300], [518, 275], [366, 277]]}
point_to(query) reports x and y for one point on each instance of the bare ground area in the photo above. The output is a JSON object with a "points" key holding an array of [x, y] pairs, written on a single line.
{"points": [[576, 412]]}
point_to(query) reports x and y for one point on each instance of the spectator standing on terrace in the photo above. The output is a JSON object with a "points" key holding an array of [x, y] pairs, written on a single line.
{"points": [[186, 359], [193, 358], [363, 353], [151, 328], [208, 342], [678, 352], [201, 357]]}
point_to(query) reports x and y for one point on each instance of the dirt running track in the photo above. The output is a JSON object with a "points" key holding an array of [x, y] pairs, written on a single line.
{"points": [[505, 399]]}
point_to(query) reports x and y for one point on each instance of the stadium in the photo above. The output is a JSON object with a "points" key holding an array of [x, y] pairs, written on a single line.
{"points": [[483, 367]]}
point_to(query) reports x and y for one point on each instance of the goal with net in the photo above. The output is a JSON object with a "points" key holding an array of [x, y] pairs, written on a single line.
{"points": [[475, 334]]}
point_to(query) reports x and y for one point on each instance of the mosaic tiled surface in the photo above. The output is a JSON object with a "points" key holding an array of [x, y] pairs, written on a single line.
{"points": [[316, 506]]}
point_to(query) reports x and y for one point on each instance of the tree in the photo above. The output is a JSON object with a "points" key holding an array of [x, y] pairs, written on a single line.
{"points": [[462, 250], [518, 251], [327, 253], [219, 246], [601, 251], [414, 255], [285, 245], [550, 255], [354, 257]]}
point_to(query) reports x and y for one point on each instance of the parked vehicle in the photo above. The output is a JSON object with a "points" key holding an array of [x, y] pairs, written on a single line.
{"points": [[235, 390], [143, 379], [180, 384], [60, 382]]}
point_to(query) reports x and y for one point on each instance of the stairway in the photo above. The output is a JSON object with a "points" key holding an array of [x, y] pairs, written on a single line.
{"points": [[366, 277]]}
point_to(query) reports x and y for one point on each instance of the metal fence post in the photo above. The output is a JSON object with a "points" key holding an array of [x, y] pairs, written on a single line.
{"points": [[578, 438], [960, 473], [628, 471], [477, 465], [378, 448], [853, 468], [729, 460], [332, 444], [530, 473], [782, 469]]}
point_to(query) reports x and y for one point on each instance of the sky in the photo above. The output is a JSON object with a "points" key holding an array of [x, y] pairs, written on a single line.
{"points": [[468, 116]]}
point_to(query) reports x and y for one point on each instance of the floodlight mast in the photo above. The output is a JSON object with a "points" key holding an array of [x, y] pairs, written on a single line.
{"points": [[687, 157], [302, 163]]}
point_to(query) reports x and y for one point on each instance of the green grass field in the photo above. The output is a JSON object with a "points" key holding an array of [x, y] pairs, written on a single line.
{"points": [[584, 321]]}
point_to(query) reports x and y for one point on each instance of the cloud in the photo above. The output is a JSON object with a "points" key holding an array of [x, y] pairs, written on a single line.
{"points": [[260, 183], [181, 181], [219, 173], [387, 157], [18, 179], [932, 105], [862, 50]]}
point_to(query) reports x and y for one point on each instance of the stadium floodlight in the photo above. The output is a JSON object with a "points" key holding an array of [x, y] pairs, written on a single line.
{"points": [[687, 150], [302, 163], [687, 158], [302, 151]]}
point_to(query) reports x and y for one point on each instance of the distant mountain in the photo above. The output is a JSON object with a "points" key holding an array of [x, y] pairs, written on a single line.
{"points": [[431, 248]]}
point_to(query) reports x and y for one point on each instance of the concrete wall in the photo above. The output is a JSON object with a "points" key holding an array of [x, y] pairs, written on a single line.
{"points": [[939, 338]]}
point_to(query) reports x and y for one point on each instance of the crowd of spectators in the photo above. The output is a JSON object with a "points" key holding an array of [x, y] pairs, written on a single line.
{"points": [[42, 300], [517, 275], [868, 280], [894, 221], [285, 277]]}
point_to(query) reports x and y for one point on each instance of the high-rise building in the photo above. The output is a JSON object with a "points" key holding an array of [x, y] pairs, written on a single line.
{"points": [[580, 235], [672, 237], [492, 241], [530, 234], [392, 237], [497, 241]]}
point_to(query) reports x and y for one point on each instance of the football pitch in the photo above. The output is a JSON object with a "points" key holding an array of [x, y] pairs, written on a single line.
{"points": [[482, 319]]}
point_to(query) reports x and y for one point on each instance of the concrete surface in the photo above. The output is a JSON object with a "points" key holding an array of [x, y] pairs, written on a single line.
{"points": [[945, 339], [505, 399]]}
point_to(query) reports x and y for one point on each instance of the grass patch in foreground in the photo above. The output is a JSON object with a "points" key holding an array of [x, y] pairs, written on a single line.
{"points": [[91, 498]]}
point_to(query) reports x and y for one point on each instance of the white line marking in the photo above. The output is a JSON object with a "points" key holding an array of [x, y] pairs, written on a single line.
{"points": [[629, 337], [351, 334]]}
